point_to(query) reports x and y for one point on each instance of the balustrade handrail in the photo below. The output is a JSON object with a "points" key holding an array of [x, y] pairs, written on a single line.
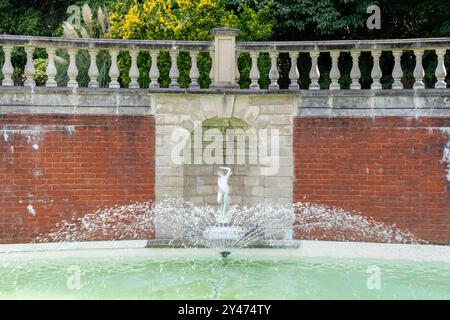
{"points": [[85, 43], [60, 42], [342, 45]]}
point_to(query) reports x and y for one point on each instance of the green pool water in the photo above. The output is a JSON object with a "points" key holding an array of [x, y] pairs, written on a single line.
{"points": [[249, 277]]}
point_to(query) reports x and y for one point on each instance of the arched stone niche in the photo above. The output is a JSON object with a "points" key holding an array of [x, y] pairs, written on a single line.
{"points": [[227, 142], [268, 182]]}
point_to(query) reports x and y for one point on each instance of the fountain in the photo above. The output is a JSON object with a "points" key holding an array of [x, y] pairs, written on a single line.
{"points": [[228, 227], [223, 232]]}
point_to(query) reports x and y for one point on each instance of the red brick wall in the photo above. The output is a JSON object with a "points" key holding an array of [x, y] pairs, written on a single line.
{"points": [[387, 168], [69, 165]]}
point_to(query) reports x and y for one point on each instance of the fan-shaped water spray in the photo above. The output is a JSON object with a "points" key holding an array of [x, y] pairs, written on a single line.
{"points": [[227, 227], [257, 222]]}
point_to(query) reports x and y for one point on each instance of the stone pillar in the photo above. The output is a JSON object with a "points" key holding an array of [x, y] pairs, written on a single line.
{"points": [[224, 57]]}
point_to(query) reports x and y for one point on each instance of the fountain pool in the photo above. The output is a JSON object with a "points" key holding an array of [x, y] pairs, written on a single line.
{"points": [[314, 270], [67, 264]]}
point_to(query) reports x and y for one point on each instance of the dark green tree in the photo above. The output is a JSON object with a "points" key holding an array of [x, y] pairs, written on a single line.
{"points": [[346, 19]]}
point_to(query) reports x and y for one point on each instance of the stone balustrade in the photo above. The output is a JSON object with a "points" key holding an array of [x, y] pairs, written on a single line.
{"points": [[397, 48], [224, 53], [94, 46]]}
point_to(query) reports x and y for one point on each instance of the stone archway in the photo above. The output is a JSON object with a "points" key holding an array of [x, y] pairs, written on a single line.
{"points": [[235, 142], [268, 183]]}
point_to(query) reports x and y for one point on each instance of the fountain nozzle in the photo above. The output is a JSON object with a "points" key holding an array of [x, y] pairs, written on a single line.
{"points": [[225, 254]]}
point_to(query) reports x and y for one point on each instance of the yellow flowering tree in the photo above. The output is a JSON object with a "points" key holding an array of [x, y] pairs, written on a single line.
{"points": [[184, 20]]}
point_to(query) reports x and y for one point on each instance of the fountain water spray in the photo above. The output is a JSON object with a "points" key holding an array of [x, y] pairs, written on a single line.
{"points": [[228, 227], [223, 232], [311, 221]]}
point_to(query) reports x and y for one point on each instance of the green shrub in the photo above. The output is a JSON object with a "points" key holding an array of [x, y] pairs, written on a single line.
{"points": [[187, 20]]}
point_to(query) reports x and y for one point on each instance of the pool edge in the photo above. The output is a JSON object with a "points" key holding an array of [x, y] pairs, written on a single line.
{"points": [[296, 248]]}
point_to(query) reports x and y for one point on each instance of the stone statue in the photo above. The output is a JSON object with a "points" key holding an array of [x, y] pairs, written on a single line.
{"points": [[222, 194]]}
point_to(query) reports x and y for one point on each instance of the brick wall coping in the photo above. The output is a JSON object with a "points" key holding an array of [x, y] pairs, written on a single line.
{"points": [[329, 103]]}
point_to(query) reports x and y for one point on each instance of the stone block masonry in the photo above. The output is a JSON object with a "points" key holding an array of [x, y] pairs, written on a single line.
{"points": [[56, 167], [197, 183]]}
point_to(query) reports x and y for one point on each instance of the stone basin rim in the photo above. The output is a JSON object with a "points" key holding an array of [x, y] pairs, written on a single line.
{"points": [[280, 248]]}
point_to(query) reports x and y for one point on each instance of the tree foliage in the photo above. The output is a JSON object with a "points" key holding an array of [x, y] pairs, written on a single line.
{"points": [[310, 19], [346, 19]]}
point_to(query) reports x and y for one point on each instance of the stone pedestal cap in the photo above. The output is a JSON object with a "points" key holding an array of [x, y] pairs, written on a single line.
{"points": [[224, 31]]}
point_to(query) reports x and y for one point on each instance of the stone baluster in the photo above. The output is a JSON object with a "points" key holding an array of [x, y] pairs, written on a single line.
{"points": [[293, 71], [314, 73], [114, 72], [441, 72], [376, 71], [254, 72], [419, 72], [334, 72], [273, 73], [7, 68], [355, 73], [29, 68], [211, 71], [397, 72], [51, 68], [194, 74], [72, 70], [173, 72], [133, 73], [93, 69], [237, 75], [154, 71]]}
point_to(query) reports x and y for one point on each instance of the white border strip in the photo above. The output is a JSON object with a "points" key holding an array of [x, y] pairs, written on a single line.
{"points": [[375, 251], [331, 249], [58, 246]]}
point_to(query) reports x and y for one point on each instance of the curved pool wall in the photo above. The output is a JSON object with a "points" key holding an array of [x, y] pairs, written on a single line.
{"points": [[295, 248], [295, 270]]}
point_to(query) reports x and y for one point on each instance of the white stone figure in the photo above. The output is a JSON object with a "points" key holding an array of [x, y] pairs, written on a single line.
{"points": [[222, 194]]}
